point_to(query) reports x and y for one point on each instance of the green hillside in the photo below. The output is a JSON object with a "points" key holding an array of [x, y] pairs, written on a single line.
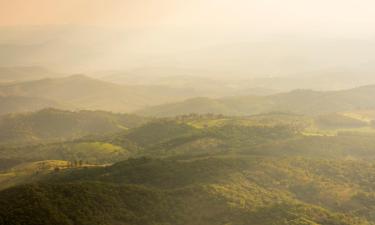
{"points": [[275, 168], [224, 190], [194, 135], [29, 172], [57, 125]]}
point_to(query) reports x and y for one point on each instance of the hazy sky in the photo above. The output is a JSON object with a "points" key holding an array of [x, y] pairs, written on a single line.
{"points": [[228, 35], [342, 17]]}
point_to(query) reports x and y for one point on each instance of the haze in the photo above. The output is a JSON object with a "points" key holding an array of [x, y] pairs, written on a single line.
{"points": [[210, 38], [187, 112], [270, 16]]}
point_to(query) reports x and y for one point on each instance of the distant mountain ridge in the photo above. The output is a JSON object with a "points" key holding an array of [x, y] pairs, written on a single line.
{"points": [[297, 101], [80, 92], [19, 104], [15, 74], [83, 92]]}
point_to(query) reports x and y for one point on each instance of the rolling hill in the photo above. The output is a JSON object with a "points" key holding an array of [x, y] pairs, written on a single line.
{"points": [[52, 125], [184, 79], [196, 169], [107, 138], [15, 74], [218, 190], [298, 101], [20, 104], [82, 92]]}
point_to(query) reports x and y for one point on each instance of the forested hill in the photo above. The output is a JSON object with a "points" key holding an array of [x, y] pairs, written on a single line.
{"points": [[274, 168], [57, 125], [219, 190]]}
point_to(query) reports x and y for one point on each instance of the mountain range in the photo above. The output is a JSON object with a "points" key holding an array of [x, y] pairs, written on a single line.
{"points": [[300, 62], [82, 92], [298, 101]]}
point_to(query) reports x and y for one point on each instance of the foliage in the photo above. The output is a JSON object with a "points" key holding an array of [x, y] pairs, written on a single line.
{"points": [[195, 169]]}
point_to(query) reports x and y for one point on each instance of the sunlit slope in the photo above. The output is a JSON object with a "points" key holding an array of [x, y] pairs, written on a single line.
{"points": [[29, 172], [270, 134]]}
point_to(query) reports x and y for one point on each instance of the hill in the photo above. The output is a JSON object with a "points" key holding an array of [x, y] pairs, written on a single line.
{"points": [[29, 172], [195, 135], [20, 104], [186, 80], [56, 125], [82, 92], [197, 169], [15, 74], [298, 101], [237, 190], [83, 48]]}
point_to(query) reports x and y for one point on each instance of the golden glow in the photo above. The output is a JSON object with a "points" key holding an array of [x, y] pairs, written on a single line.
{"points": [[257, 15], [81, 12]]}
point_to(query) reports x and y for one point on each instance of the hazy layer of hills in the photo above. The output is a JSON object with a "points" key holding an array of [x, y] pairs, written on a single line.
{"points": [[19, 104], [82, 92], [197, 52], [217, 85], [14, 74], [183, 79], [298, 101]]}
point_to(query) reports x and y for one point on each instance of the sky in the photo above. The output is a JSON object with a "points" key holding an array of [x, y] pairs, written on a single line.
{"points": [[262, 37], [333, 17]]}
